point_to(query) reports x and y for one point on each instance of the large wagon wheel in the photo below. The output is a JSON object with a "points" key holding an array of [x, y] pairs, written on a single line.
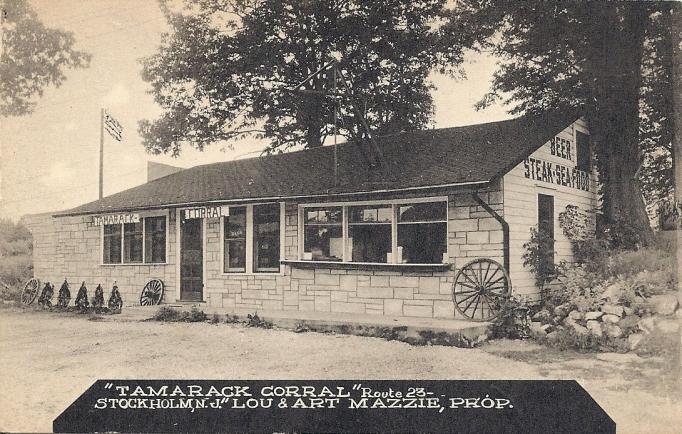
{"points": [[30, 291], [481, 289], [152, 293]]}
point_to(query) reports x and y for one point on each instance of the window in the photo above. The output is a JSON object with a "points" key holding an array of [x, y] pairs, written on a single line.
{"points": [[266, 228], [132, 242], [369, 233], [422, 233], [546, 230], [323, 234], [155, 240], [234, 259], [583, 158], [399, 233], [112, 244], [135, 243]]}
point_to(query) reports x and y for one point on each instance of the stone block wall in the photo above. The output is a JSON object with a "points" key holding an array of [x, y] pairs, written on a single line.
{"points": [[69, 247], [472, 233]]}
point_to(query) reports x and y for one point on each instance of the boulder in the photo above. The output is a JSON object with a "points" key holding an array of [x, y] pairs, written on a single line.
{"points": [[553, 336], [593, 315], [629, 322], [664, 304], [628, 310], [579, 330], [536, 329], [576, 316], [594, 327], [667, 325], [646, 324], [613, 331], [547, 328], [561, 310], [609, 318], [634, 340], [544, 316], [612, 309]]}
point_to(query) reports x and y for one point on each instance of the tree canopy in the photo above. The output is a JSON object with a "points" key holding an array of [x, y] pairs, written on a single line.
{"points": [[612, 59], [32, 57], [227, 68]]}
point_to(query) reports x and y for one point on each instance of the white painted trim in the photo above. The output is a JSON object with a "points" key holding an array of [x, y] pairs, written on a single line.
{"points": [[260, 200], [377, 202], [301, 235], [178, 252], [282, 234], [347, 253], [249, 239], [204, 245]]}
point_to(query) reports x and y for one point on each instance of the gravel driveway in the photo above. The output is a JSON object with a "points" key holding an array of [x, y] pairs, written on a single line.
{"points": [[50, 359]]}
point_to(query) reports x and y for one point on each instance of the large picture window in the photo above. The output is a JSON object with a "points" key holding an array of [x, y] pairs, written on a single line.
{"points": [[135, 243], [266, 229], [400, 233], [235, 241], [323, 234]]}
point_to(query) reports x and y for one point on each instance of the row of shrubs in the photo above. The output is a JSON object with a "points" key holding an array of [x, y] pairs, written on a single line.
{"points": [[170, 314]]}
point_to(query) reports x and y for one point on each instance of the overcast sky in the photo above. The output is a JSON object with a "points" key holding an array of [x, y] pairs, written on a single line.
{"points": [[50, 158]]}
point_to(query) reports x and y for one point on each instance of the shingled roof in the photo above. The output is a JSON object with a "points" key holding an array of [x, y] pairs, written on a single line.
{"points": [[474, 154]]}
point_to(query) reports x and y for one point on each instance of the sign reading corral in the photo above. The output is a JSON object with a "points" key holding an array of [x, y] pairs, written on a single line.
{"points": [[203, 212]]}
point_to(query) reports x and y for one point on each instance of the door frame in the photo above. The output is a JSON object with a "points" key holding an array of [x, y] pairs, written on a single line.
{"points": [[178, 255]]}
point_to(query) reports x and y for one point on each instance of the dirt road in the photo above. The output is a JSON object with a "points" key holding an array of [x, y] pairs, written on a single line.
{"points": [[50, 359]]}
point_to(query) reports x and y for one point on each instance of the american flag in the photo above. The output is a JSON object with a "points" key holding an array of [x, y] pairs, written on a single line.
{"points": [[112, 126]]}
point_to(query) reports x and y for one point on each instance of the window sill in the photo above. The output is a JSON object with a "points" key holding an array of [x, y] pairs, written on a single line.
{"points": [[128, 264], [366, 265]]}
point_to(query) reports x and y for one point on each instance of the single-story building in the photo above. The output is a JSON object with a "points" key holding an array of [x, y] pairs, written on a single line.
{"points": [[293, 232]]}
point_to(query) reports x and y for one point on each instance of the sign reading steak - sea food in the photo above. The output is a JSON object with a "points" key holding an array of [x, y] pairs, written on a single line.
{"points": [[553, 173]]}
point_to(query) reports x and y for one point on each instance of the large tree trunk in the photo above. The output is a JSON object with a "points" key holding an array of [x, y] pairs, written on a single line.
{"points": [[614, 115]]}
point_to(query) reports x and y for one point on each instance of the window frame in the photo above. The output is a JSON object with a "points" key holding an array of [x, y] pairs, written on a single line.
{"points": [[588, 168], [250, 266], [346, 205], [143, 215]]}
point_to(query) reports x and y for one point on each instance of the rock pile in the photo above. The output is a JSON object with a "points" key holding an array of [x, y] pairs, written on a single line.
{"points": [[627, 327]]}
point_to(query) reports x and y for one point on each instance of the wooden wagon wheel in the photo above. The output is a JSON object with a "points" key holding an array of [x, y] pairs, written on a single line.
{"points": [[30, 291], [152, 293], [481, 288]]}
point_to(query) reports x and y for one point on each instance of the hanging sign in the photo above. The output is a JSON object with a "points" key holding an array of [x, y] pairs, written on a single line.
{"points": [[541, 170], [114, 219], [203, 212]]}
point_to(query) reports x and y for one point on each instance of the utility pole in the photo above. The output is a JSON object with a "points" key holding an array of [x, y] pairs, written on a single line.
{"points": [[101, 154]]}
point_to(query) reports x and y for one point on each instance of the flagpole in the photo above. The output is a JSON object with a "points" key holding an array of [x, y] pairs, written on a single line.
{"points": [[101, 153]]}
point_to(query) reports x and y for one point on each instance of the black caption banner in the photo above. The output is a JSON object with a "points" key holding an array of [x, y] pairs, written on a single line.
{"points": [[335, 406]]}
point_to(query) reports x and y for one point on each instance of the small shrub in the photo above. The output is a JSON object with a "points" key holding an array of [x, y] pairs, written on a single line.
{"points": [[215, 319], [256, 321], [231, 319], [513, 320], [170, 314], [166, 313]]}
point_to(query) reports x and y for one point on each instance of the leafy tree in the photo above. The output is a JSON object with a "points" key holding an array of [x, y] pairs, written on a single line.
{"points": [[227, 68], [610, 58], [32, 57]]}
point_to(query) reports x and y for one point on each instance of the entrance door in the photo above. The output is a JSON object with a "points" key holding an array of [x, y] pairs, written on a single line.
{"points": [[191, 260]]}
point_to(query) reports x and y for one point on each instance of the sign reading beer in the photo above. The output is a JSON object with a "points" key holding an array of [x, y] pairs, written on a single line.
{"points": [[541, 170], [114, 219], [562, 148], [203, 212]]}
